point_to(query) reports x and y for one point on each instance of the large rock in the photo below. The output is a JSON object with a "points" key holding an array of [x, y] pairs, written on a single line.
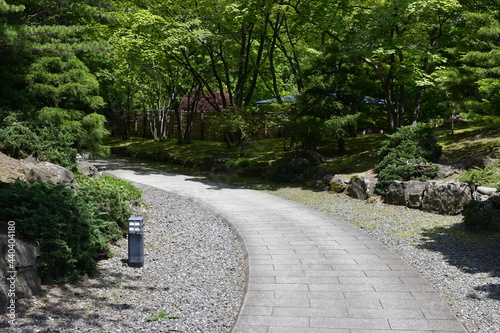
{"points": [[407, 194], [446, 171], [87, 168], [476, 162], [19, 257], [4, 284], [486, 190], [49, 173], [446, 197], [337, 183], [360, 187], [313, 157], [483, 193]]}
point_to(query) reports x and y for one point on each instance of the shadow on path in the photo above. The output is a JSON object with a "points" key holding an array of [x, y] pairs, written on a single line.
{"points": [[111, 165], [460, 248]]}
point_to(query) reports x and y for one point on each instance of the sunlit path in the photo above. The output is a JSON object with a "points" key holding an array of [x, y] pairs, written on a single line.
{"points": [[309, 271]]}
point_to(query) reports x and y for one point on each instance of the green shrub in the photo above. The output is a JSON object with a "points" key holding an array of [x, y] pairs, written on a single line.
{"points": [[290, 171], [488, 176], [124, 189], [407, 155], [61, 221], [240, 163], [108, 196], [73, 228], [19, 139], [412, 140]]}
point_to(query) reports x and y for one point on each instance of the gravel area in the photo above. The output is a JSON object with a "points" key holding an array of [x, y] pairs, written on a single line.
{"points": [[463, 267], [193, 279]]}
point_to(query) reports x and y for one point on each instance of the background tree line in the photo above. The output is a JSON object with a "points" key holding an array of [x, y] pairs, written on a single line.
{"points": [[68, 67]]}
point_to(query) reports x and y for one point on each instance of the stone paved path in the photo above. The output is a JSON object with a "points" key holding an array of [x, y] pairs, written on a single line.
{"points": [[307, 270]]}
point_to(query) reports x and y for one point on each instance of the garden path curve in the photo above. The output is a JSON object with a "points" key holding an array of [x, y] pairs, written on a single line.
{"points": [[308, 271]]}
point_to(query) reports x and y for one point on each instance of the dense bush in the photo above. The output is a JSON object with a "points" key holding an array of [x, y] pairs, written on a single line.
{"points": [[290, 171], [108, 196], [245, 167], [19, 139], [73, 228], [51, 137], [407, 155]]}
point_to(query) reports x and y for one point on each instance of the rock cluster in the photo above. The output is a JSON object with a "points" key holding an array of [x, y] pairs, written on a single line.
{"points": [[438, 196], [448, 197]]}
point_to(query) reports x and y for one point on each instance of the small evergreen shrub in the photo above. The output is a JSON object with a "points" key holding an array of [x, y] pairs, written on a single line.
{"points": [[407, 155], [418, 140], [73, 228], [109, 196], [245, 167], [20, 139], [68, 230]]}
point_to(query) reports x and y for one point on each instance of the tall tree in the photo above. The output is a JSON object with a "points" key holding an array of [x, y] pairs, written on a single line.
{"points": [[473, 75], [401, 42], [50, 40]]}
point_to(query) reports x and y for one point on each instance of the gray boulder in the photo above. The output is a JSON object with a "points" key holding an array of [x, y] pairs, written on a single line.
{"points": [[395, 194], [446, 171], [337, 183], [49, 173], [407, 194], [446, 197], [360, 187], [215, 162], [486, 190], [4, 286], [23, 262], [483, 193], [87, 168], [476, 162]]}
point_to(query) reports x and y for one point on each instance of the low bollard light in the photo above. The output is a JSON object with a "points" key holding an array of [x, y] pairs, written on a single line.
{"points": [[136, 241]]}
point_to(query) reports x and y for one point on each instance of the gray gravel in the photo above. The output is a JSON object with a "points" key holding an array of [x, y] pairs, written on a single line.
{"points": [[193, 274]]}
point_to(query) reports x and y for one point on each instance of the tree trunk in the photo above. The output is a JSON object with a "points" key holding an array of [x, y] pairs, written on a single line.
{"points": [[341, 145], [416, 110], [388, 94]]}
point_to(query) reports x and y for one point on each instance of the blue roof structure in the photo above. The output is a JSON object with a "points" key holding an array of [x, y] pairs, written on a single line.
{"points": [[291, 98]]}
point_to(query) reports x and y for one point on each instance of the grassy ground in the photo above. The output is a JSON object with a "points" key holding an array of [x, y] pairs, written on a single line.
{"points": [[361, 156]]}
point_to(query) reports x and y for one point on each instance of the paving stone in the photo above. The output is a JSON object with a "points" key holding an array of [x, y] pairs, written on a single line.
{"points": [[311, 272]]}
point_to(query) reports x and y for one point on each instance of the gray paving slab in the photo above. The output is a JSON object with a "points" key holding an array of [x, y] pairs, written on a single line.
{"points": [[308, 271]]}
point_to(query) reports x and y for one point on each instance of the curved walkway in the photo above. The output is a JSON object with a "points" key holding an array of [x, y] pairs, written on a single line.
{"points": [[307, 270]]}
